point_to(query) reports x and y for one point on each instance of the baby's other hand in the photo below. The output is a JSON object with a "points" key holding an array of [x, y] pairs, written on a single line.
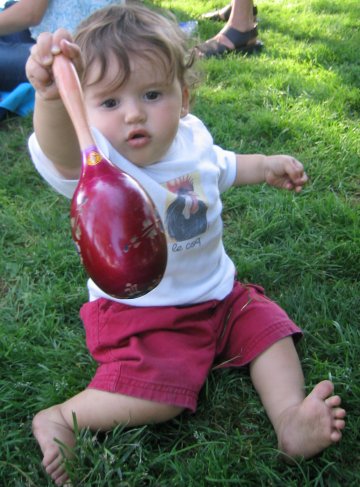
{"points": [[285, 172], [39, 64]]}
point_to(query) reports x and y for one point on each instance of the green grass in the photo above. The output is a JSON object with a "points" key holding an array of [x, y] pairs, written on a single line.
{"points": [[300, 96]]}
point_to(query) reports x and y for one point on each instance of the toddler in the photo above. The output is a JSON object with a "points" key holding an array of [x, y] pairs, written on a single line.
{"points": [[155, 352]]}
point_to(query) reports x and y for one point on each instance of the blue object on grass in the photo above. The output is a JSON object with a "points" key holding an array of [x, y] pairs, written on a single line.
{"points": [[20, 100], [189, 27]]}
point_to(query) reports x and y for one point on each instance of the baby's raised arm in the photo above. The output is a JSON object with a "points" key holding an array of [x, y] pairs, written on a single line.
{"points": [[53, 127]]}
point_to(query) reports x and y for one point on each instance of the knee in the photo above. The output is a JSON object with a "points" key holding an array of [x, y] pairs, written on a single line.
{"points": [[174, 411], [165, 412]]}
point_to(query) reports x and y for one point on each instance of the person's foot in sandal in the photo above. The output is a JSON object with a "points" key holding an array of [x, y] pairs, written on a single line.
{"points": [[238, 35], [221, 15], [230, 40]]}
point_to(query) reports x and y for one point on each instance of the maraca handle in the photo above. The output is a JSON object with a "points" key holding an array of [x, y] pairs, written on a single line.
{"points": [[68, 83]]}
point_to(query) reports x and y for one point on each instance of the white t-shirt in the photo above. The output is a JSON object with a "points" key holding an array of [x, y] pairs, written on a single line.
{"points": [[68, 14], [185, 187]]}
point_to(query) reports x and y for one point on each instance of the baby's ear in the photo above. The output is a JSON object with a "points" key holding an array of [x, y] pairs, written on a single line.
{"points": [[185, 101]]}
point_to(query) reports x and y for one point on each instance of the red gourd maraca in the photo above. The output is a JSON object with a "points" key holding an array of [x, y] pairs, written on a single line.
{"points": [[114, 223]]}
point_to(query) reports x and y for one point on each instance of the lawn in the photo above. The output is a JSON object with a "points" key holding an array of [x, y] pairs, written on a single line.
{"points": [[300, 96]]}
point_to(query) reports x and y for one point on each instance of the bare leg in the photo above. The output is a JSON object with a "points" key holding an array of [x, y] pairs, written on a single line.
{"points": [[241, 18], [219, 15], [304, 425], [94, 409]]}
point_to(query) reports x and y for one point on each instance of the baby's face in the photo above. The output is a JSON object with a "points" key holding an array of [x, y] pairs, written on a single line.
{"points": [[141, 117]]}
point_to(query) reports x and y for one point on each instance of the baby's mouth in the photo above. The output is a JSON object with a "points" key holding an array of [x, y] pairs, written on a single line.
{"points": [[138, 138]]}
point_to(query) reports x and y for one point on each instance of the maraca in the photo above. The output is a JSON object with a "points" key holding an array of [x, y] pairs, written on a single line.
{"points": [[114, 222]]}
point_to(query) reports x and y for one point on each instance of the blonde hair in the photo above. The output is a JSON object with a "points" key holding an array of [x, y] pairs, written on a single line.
{"points": [[125, 31]]}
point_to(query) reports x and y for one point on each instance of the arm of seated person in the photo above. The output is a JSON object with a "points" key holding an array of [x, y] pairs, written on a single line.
{"points": [[21, 15]]}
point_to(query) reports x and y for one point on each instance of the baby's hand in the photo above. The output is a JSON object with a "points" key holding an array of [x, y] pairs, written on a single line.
{"points": [[39, 64], [285, 172]]}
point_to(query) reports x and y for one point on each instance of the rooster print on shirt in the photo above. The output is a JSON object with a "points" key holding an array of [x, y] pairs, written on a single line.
{"points": [[186, 212]]}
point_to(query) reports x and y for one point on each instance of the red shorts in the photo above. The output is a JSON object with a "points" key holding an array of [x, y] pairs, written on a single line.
{"points": [[165, 354]]}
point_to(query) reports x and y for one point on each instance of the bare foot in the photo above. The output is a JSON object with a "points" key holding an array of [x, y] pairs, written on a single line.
{"points": [[49, 425], [310, 427]]}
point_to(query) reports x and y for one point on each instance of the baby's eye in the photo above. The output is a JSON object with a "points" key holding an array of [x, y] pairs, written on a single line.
{"points": [[110, 103], [152, 95]]}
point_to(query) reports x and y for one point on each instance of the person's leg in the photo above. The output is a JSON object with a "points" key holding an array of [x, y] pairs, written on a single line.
{"points": [[304, 425], [222, 14], [239, 32], [96, 410], [13, 57], [241, 16]]}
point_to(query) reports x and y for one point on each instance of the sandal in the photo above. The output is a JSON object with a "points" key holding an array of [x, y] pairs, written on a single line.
{"points": [[223, 14], [214, 48]]}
